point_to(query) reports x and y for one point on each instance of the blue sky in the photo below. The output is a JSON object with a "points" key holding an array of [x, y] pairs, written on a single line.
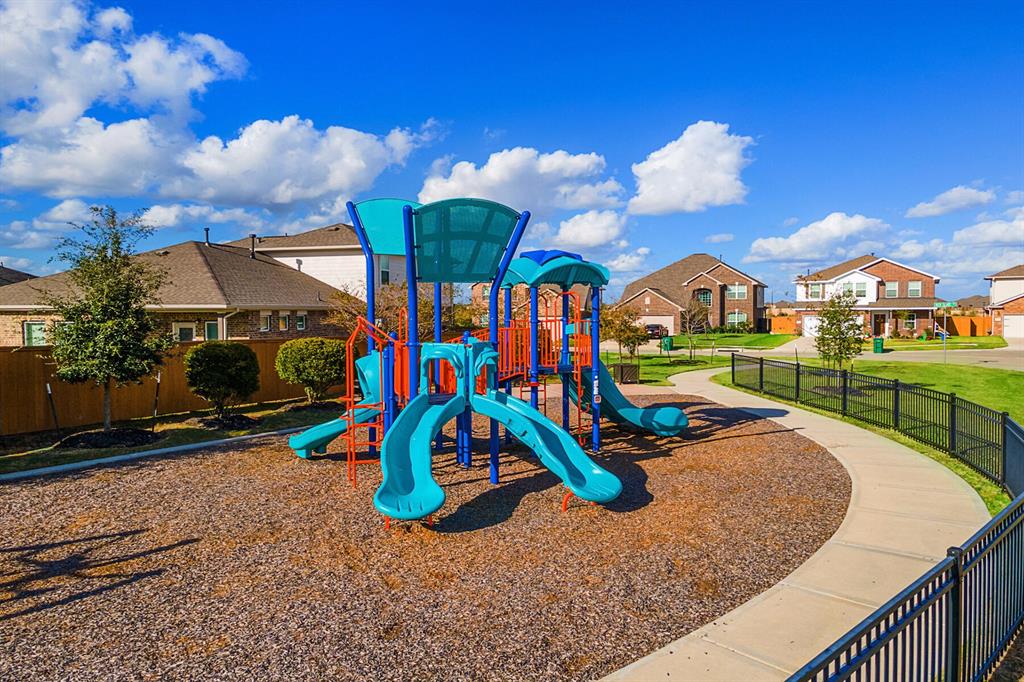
{"points": [[783, 137]]}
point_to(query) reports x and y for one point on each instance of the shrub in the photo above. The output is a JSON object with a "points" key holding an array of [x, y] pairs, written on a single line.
{"points": [[314, 363], [222, 372]]}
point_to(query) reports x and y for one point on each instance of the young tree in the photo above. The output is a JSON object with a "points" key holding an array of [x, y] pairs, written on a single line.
{"points": [[314, 363], [622, 326], [693, 320], [105, 334], [839, 333]]}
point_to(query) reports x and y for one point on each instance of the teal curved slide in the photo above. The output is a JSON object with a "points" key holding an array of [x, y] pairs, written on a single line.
{"points": [[409, 490], [663, 421], [555, 447], [316, 438]]}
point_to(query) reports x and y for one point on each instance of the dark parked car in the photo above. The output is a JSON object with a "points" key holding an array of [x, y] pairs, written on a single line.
{"points": [[656, 331]]}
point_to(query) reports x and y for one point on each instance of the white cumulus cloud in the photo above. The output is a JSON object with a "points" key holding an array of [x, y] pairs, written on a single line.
{"points": [[1009, 232], [171, 215], [629, 262], [719, 238], [954, 199], [527, 179], [814, 242], [590, 229], [699, 169]]}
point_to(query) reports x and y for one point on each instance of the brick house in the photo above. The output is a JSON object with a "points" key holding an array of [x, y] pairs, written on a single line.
{"points": [[732, 296], [1006, 293], [213, 291], [331, 254], [547, 299], [12, 276], [892, 299]]}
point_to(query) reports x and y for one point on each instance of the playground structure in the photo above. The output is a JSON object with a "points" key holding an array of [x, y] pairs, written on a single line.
{"points": [[408, 390]]}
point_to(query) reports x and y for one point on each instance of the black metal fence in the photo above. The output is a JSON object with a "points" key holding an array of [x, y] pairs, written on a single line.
{"points": [[956, 621]]}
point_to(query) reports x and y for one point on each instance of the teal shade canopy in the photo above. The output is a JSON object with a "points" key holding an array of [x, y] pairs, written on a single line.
{"points": [[461, 240], [563, 271], [382, 220]]}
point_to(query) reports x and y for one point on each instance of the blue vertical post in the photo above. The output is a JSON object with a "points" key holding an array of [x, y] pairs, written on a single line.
{"points": [[387, 385], [492, 319], [439, 440], [534, 350], [508, 326], [410, 282], [467, 413], [563, 361], [371, 283], [595, 361], [392, 395]]}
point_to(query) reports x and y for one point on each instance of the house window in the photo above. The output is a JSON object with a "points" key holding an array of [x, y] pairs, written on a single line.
{"points": [[264, 322], [300, 322], [647, 300], [858, 289], [735, 318], [33, 333], [814, 291], [385, 269], [914, 289], [910, 322], [892, 289], [283, 321], [736, 292], [184, 331], [211, 330], [704, 296]]}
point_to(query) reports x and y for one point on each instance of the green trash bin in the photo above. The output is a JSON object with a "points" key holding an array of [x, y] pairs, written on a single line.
{"points": [[666, 343], [879, 344]]}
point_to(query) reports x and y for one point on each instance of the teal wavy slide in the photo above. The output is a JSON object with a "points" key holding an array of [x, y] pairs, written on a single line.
{"points": [[316, 438], [409, 490], [663, 421], [556, 448]]}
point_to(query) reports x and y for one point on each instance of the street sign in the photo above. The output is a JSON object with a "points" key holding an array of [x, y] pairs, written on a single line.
{"points": [[944, 304]]}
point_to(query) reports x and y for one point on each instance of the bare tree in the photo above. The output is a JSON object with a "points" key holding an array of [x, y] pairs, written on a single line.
{"points": [[693, 320]]}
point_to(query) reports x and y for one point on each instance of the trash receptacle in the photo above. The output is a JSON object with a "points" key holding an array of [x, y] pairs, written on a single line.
{"points": [[879, 344], [666, 343]]}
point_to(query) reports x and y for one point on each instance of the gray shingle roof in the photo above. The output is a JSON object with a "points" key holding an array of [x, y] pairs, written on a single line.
{"points": [[840, 269], [668, 281], [11, 276], [1015, 271], [214, 275], [338, 234]]}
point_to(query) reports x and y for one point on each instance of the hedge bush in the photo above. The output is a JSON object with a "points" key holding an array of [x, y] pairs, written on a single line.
{"points": [[314, 363], [222, 372]]}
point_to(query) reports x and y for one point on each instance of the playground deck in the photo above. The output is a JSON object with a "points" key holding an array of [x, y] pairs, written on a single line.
{"points": [[245, 562]]}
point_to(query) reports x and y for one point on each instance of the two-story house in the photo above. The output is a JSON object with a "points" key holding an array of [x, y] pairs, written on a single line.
{"points": [[892, 299], [733, 298], [1006, 296]]}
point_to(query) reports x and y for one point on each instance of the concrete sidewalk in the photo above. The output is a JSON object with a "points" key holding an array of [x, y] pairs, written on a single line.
{"points": [[905, 510]]}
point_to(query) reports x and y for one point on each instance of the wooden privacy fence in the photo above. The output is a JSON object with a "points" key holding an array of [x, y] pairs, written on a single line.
{"points": [[25, 373]]}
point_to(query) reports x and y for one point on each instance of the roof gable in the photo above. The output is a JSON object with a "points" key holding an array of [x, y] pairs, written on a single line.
{"points": [[338, 235], [860, 263], [1016, 272], [669, 280]]}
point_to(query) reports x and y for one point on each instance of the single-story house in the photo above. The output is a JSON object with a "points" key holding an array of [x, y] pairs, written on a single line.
{"points": [[212, 291]]}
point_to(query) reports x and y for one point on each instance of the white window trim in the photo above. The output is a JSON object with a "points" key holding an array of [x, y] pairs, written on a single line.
{"points": [[24, 332], [812, 296], [711, 296], [284, 318], [176, 327], [897, 294], [731, 292], [735, 314], [206, 329], [910, 290], [911, 321], [301, 321], [266, 315]]}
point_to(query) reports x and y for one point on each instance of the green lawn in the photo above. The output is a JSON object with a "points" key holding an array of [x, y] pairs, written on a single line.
{"points": [[31, 451], [954, 343], [994, 497], [655, 369], [728, 340], [1000, 389]]}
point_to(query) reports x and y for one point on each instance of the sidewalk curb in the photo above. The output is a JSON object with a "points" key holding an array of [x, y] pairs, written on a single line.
{"points": [[131, 456]]}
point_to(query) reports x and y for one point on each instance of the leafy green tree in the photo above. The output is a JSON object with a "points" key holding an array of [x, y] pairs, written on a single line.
{"points": [[314, 363], [622, 326], [222, 372], [840, 335], [104, 333]]}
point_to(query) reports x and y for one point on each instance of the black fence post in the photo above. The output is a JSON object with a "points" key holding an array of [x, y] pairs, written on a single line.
{"points": [[896, 404], [844, 378], [1002, 435], [952, 423], [760, 374], [796, 387], [954, 620], [733, 356]]}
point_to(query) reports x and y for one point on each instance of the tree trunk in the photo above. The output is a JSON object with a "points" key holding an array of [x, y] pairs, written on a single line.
{"points": [[106, 405]]}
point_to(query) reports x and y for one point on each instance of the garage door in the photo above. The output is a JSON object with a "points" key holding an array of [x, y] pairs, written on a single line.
{"points": [[1013, 326], [810, 325], [667, 321]]}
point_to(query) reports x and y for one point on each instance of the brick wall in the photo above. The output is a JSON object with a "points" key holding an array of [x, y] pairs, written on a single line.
{"points": [[647, 303], [1014, 307], [890, 272]]}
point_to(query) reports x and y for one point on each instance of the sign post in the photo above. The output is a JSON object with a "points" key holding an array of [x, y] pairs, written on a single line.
{"points": [[944, 306]]}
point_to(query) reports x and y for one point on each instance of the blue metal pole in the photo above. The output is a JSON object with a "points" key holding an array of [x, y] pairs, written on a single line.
{"points": [[439, 440], [392, 395], [410, 282], [595, 361], [534, 351], [563, 361], [387, 385], [371, 283], [467, 413], [508, 326]]}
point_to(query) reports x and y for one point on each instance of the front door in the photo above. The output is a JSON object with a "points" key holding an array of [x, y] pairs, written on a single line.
{"points": [[878, 326]]}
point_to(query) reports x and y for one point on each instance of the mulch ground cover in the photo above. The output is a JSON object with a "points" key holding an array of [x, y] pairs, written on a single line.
{"points": [[248, 563]]}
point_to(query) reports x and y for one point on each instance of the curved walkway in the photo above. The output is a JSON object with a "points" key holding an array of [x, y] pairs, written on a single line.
{"points": [[905, 510]]}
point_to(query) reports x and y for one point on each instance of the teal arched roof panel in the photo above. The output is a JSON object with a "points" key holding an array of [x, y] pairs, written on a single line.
{"points": [[563, 270], [461, 240], [382, 220]]}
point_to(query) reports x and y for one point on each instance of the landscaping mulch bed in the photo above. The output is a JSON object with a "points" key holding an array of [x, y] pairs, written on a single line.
{"points": [[229, 422], [248, 563], [115, 438]]}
